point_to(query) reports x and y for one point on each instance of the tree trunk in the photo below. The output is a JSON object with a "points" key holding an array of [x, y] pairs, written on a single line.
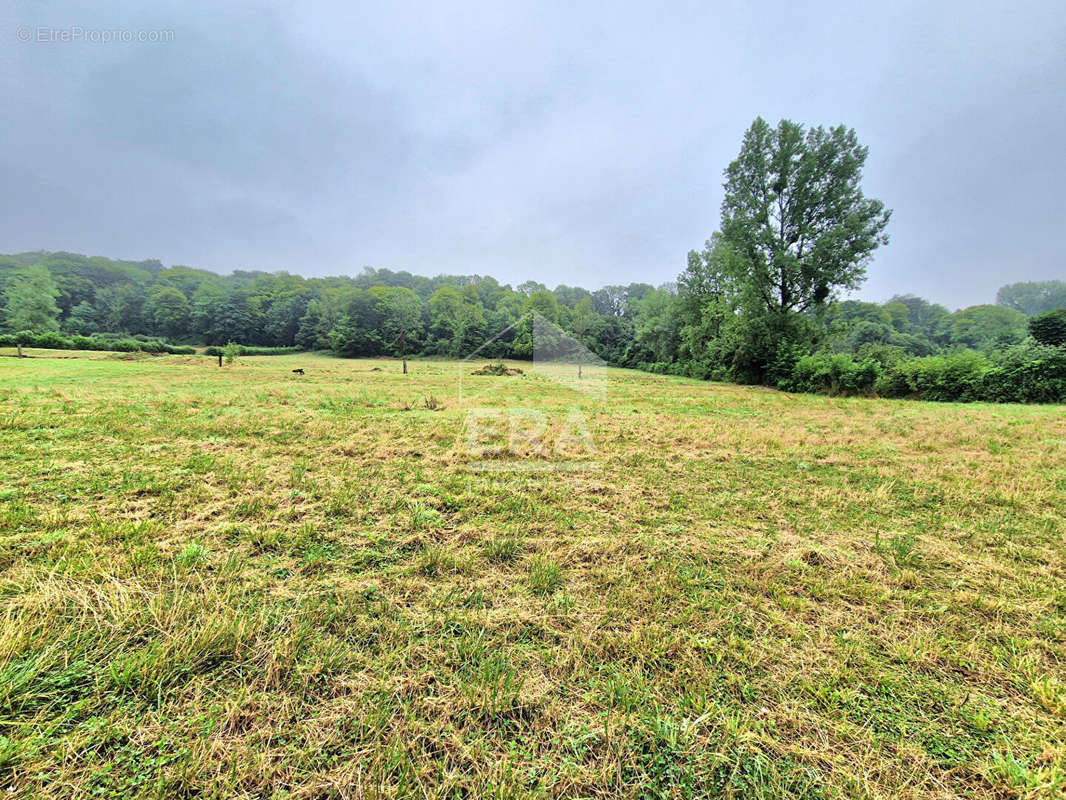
{"points": [[405, 365]]}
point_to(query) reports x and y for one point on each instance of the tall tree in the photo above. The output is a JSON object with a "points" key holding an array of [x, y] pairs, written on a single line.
{"points": [[169, 310], [1033, 297], [656, 325], [795, 213], [987, 327], [311, 334], [708, 294], [444, 308], [82, 319], [401, 319], [31, 295], [469, 330]]}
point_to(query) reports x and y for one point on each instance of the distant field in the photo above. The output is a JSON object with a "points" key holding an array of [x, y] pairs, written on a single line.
{"points": [[242, 582]]}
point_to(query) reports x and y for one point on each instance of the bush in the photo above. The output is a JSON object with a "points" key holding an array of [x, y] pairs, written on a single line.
{"points": [[832, 374], [956, 377], [1027, 374], [51, 341], [55, 341], [1049, 328], [242, 350], [764, 348], [231, 351], [887, 355]]}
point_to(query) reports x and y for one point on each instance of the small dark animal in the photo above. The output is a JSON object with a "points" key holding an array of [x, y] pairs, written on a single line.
{"points": [[298, 371]]}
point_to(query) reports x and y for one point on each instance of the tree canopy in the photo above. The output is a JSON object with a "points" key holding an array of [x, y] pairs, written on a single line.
{"points": [[795, 215], [764, 293]]}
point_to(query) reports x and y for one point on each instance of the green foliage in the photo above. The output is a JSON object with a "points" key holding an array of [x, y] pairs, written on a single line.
{"points": [[30, 300], [988, 327], [795, 214], [169, 311], [312, 332], [832, 374], [82, 319], [401, 318], [1033, 297], [656, 325], [55, 341], [931, 321], [245, 350], [762, 348], [1049, 328], [956, 377], [1027, 374]]}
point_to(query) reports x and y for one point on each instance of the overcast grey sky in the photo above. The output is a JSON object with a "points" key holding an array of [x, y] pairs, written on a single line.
{"points": [[577, 143]]}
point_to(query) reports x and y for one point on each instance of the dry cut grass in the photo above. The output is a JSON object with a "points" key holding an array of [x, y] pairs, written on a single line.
{"points": [[241, 582]]}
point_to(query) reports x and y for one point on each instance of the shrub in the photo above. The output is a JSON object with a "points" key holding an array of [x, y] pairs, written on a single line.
{"points": [[51, 341], [55, 341], [1027, 374], [231, 351], [243, 350], [832, 374], [956, 377], [1049, 328], [764, 348], [887, 355]]}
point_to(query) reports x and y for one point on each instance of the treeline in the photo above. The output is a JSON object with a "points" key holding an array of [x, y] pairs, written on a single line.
{"points": [[759, 304], [74, 301], [379, 312]]}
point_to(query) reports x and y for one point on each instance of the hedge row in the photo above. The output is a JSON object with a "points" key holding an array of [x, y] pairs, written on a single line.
{"points": [[55, 341], [243, 350], [1025, 374]]}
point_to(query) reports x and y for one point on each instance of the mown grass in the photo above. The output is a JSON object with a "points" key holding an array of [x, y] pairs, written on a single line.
{"points": [[240, 582]]}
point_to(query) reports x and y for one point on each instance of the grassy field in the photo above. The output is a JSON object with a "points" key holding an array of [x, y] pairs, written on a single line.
{"points": [[242, 582]]}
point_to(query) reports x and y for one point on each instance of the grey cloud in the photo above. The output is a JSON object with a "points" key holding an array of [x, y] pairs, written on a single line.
{"points": [[568, 144]]}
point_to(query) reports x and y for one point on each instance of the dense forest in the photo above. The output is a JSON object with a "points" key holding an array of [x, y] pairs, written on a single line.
{"points": [[759, 304], [381, 312]]}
